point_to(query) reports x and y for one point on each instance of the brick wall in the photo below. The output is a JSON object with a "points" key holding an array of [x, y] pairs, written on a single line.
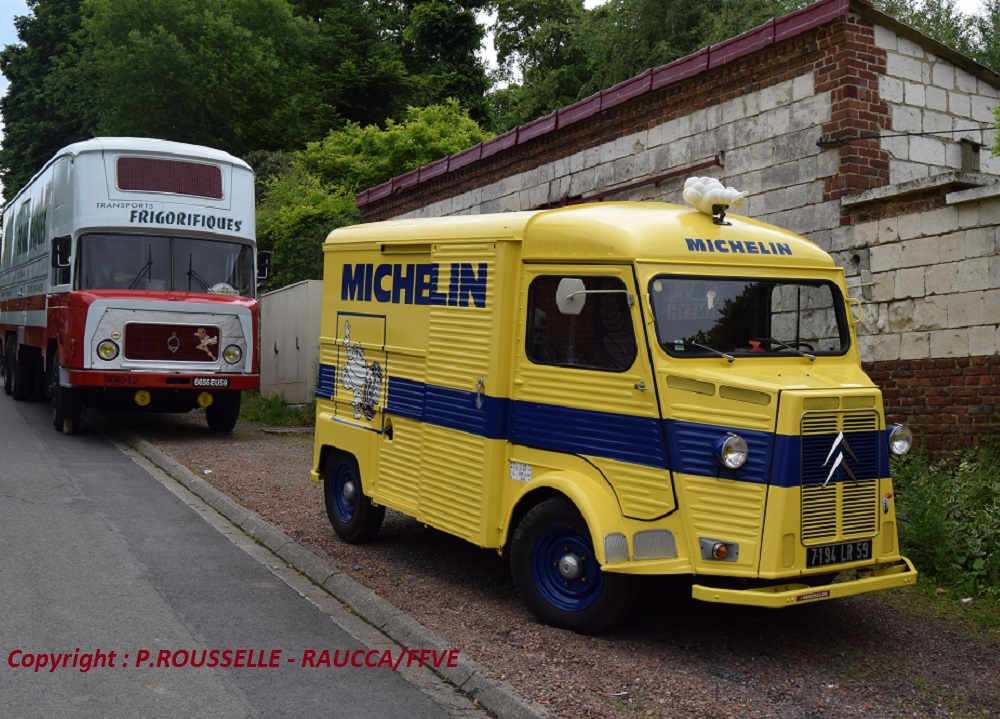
{"points": [[950, 403]]}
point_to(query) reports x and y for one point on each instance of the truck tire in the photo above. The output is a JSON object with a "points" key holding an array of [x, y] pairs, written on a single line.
{"points": [[8, 371], [224, 411], [22, 371], [65, 403], [353, 516], [556, 572]]}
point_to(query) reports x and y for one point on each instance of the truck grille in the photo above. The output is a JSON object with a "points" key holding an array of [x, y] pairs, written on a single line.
{"points": [[171, 343], [843, 503]]}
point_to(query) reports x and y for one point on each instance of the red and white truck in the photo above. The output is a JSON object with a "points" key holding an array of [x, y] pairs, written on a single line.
{"points": [[128, 275]]}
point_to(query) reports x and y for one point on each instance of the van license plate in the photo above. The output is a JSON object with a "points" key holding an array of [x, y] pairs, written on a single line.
{"points": [[838, 553]]}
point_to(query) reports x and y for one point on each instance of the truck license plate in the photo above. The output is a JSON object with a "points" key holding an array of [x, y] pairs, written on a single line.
{"points": [[838, 553]]}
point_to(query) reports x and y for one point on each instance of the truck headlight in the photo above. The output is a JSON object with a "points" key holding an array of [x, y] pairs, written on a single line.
{"points": [[900, 439], [731, 451], [107, 350], [232, 354]]}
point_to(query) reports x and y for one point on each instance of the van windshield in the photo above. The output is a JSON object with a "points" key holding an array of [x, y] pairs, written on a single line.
{"points": [[752, 317], [180, 264]]}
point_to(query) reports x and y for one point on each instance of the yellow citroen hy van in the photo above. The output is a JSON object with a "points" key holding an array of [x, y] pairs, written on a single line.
{"points": [[604, 391]]}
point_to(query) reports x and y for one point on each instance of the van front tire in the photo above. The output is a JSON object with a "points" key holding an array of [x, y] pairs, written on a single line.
{"points": [[557, 574], [353, 516]]}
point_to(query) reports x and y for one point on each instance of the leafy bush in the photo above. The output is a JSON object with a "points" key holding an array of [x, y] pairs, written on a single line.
{"points": [[949, 517]]}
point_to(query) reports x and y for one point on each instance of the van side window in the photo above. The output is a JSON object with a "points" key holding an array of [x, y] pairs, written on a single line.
{"points": [[601, 337]]}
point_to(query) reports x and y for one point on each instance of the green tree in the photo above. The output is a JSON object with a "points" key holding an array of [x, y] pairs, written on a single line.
{"points": [[38, 113], [223, 73], [563, 53], [540, 55], [316, 193], [939, 19]]}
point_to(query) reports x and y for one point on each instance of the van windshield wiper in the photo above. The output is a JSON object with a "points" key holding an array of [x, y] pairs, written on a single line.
{"points": [[722, 354], [796, 350]]}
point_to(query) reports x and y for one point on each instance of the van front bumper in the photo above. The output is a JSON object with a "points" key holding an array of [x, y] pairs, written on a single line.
{"points": [[899, 574]]}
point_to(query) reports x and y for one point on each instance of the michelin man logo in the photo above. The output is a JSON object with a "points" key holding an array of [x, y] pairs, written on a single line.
{"points": [[363, 379]]}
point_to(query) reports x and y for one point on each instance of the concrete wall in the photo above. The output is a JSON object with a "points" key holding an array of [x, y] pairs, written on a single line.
{"points": [[289, 341]]}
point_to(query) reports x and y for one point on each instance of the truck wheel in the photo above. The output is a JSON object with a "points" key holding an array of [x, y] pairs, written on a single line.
{"points": [[22, 379], [224, 411], [557, 574], [8, 379], [353, 516], [65, 404]]}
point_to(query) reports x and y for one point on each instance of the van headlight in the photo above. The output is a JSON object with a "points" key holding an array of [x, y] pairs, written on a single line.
{"points": [[731, 451], [900, 439], [107, 350]]}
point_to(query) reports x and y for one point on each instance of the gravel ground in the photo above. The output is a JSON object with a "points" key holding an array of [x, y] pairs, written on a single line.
{"points": [[674, 657]]}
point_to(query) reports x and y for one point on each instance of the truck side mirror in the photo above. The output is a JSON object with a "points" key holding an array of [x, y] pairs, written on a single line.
{"points": [[263, 264], [60, 252], [571, 295]]}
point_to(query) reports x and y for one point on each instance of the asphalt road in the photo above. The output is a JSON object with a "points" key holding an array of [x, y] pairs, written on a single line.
{"points": [[98, 557]]}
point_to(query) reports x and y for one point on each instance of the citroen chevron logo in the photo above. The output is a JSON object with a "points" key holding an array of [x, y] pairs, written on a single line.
{"points": [[839, 461]]}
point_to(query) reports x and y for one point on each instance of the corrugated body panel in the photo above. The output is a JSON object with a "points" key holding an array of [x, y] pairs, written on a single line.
{"points": [[399, 465], [461, 349], [461, 341], [733, 511], [452, 481], [399, 458]]}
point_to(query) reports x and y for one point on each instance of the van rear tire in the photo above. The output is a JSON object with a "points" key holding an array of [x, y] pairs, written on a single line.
{"points": [[556, 572], [353, 516]]}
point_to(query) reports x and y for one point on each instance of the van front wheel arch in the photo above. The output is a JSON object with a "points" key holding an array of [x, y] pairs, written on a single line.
{"points": [[556, 572], [353, 516]]}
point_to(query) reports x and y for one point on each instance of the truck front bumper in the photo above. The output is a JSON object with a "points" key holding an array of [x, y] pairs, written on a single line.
{"points": [[163, 380]]}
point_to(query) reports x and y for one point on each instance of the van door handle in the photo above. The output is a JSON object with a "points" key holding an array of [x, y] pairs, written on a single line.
{"points": [[641, 386]]}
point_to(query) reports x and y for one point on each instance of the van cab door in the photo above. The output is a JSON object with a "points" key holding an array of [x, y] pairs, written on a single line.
{"points": [[583, 382]]}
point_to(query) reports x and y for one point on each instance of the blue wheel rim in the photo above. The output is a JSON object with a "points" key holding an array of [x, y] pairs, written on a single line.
{"points": [[344, 507], [568, 594]]}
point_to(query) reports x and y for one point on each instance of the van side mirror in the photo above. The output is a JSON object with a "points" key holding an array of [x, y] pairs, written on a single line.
{"points": [[60, 252], [263, 264], [571, 295]]}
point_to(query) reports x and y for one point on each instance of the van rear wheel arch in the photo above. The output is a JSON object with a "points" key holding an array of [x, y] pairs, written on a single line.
{"points": [[353, 516]]}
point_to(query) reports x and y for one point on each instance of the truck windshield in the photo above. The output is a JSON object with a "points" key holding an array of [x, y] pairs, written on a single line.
{"points": [[180, 264], [752, 317]]}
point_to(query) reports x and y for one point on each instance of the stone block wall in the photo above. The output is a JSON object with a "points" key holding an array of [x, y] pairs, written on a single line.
{"points": [[933, 105]]}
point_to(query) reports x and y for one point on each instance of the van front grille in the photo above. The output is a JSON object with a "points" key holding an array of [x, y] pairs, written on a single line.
{"points": [[840, 475]]}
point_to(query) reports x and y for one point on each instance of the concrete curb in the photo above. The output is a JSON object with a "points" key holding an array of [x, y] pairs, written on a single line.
{"points": [[468, 676]]}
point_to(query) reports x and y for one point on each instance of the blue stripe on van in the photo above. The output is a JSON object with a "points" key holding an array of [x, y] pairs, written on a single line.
{"points": [[781, 460], [326, 383], [637, 440], [692, 451]]}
